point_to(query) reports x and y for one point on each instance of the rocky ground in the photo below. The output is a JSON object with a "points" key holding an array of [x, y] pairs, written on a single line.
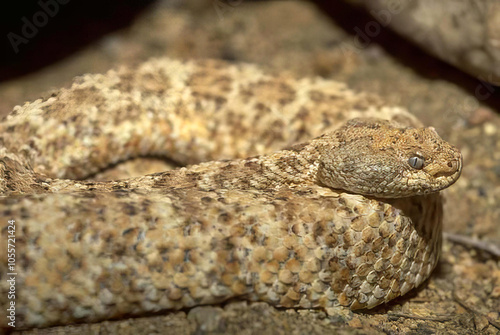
{"points": [[309, 39]]}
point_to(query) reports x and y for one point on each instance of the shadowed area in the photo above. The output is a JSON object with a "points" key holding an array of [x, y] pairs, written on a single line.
{"points": [[363, 28], [38, 34]]}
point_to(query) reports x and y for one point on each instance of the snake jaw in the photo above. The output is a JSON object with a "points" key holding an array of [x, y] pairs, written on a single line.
{"points": [[437, 176], [445, 171]]}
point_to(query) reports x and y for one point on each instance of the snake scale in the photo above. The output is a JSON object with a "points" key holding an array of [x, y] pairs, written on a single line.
{"points": [[350, 216]]}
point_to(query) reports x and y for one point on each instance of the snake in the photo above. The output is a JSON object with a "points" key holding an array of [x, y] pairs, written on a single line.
{"points": [[296, 192]]}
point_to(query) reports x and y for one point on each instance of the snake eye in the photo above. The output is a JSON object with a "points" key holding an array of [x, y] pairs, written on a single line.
{"points": [[416, 162]]}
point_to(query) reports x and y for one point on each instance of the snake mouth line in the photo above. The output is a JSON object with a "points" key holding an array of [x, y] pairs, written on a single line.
{"points": [[449, 180], [452, 175]]}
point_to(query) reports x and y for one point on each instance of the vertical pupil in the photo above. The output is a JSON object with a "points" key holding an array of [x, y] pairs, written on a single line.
{"points": [[416, 162]]}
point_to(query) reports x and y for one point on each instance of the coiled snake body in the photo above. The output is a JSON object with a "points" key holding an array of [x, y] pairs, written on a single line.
{"points": [[349, 218]]}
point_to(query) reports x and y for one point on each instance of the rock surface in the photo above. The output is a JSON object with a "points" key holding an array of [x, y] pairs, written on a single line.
{"points": [[463, 33]]}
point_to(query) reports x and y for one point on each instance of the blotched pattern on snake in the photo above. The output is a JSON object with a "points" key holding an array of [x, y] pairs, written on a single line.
{"points": [[348, 218]]}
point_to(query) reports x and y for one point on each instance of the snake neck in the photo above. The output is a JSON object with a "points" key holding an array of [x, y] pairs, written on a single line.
{"points": [[294, 166]]}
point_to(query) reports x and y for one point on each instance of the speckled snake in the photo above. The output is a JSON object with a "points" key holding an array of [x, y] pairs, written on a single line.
{"points": [[348, 218]]}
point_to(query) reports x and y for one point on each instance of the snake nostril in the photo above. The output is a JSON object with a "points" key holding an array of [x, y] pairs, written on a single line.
{"points": [[453, 165]]}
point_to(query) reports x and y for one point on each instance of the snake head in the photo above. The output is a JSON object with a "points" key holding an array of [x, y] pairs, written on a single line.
{"points": [[384, 159]]}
